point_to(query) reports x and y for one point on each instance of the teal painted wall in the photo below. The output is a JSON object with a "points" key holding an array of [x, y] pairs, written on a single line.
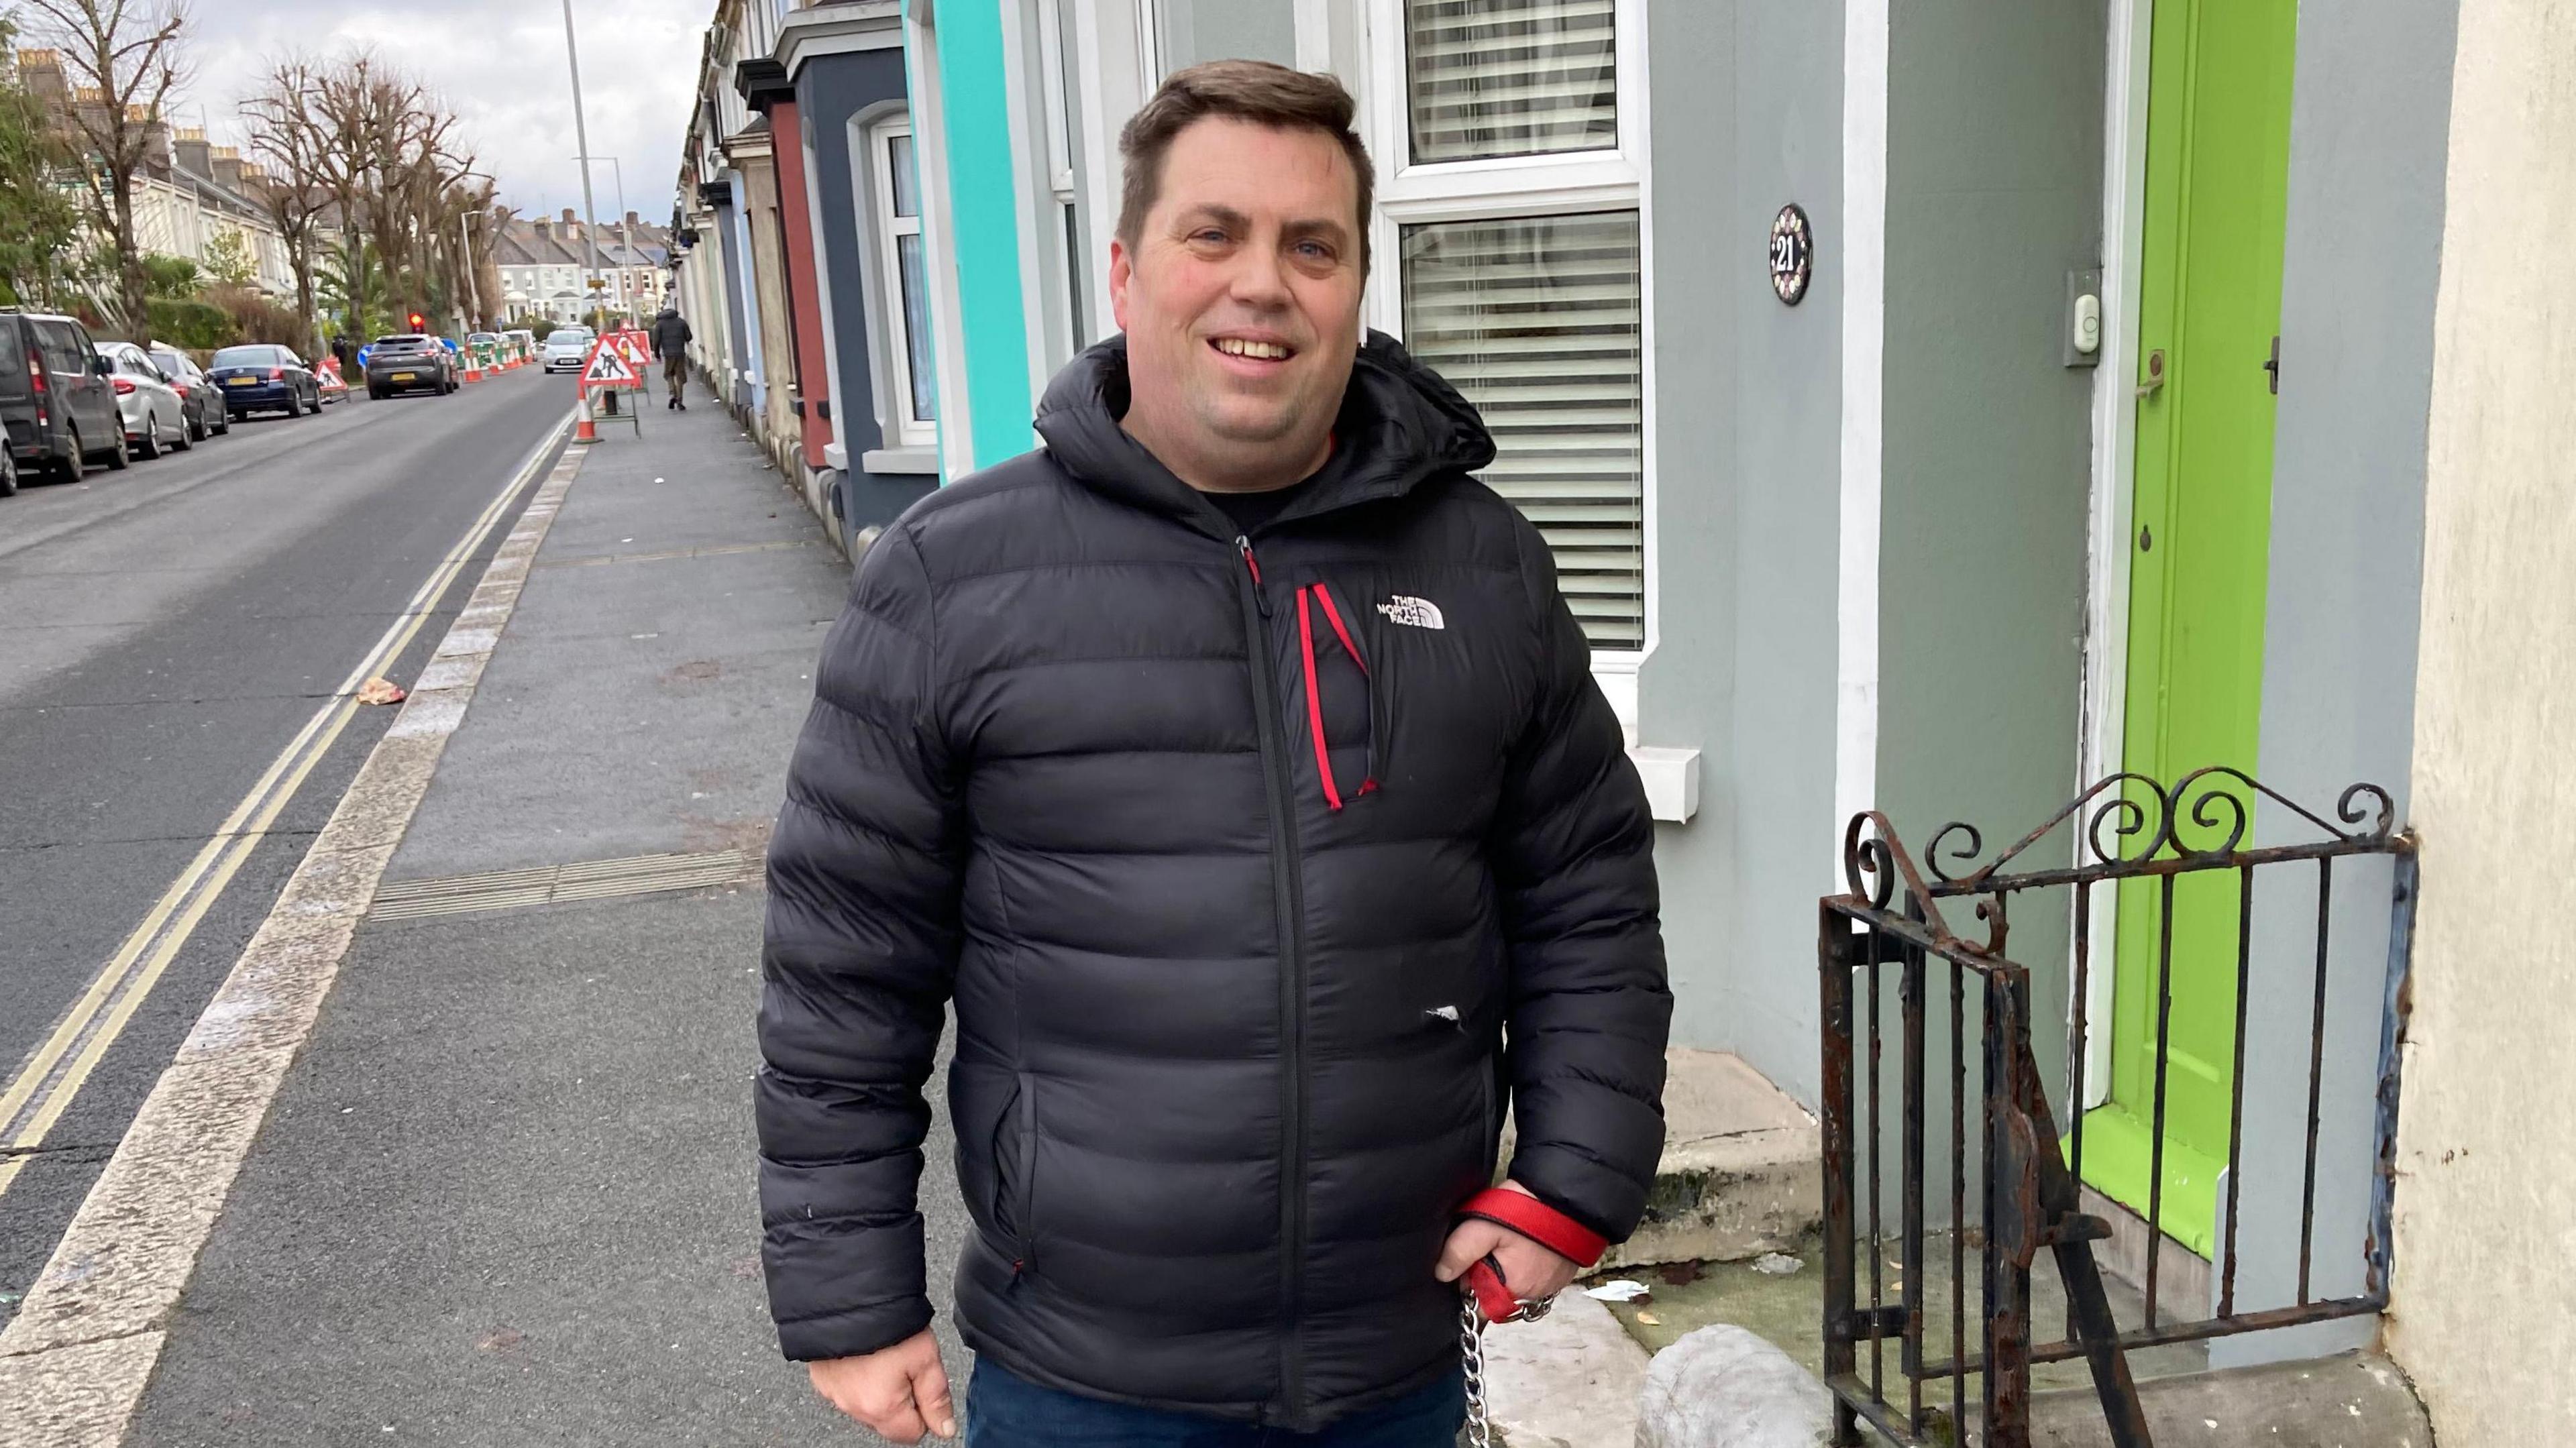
{"points": [[982, 238]]}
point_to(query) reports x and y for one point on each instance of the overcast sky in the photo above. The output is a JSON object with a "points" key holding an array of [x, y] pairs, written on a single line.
{"points": [[500, 64]]}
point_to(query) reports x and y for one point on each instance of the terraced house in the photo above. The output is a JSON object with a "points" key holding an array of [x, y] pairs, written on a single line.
{"points": [[797, 230], [1935, 410]]}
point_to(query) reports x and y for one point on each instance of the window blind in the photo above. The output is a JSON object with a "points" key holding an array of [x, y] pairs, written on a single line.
{"points": [[1493, 78], [1537, 320]]}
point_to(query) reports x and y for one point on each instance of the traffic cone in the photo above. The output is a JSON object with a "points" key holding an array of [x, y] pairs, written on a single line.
{"points": [[585, 430], [472, 372]]}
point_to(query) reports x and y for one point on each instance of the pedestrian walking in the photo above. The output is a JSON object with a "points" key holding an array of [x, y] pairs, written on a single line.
{"points": [[1232, 765], [670, 339]]}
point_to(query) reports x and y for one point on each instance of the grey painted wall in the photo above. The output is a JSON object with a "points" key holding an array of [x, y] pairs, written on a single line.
{"points": [[830, 89], [1197, 30], [1994, 193], [1747, 115], [2369, 134]]}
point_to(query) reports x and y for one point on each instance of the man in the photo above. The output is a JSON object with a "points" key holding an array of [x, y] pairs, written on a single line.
{"points": [[670, 338], [1235, 768]]}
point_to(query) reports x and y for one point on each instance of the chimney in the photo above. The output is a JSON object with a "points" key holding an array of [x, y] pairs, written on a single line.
{"points": [[41, 72], [193, 152], [633, 221], [544, 229], [227, 167]]}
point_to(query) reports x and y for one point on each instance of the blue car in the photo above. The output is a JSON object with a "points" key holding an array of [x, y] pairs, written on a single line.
{"points": [[263, 377]]}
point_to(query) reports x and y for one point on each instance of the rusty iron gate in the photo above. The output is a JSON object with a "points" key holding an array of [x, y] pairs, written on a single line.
{"points": [[1891, 923]]}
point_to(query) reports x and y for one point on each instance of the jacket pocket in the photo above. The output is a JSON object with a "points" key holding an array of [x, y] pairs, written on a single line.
{"points": [[1015, 1157], [1339, 691], [1488, 1128]]}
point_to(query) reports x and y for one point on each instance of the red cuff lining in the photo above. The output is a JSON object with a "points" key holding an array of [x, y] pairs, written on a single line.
{"points": [[1539, 1222]]}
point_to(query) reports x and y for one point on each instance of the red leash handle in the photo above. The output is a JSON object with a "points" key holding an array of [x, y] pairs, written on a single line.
{"points": [[1493, 1298], [1539, 1222]]}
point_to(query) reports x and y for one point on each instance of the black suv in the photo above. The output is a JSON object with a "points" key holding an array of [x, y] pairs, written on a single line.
{"points": [[55, 397], [408, 363]]}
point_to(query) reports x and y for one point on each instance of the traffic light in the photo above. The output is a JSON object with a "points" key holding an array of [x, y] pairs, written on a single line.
{"points": [[419, 323]]}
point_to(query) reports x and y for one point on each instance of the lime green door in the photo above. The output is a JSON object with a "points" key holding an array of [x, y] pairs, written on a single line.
{"points": [[2218, 141]]}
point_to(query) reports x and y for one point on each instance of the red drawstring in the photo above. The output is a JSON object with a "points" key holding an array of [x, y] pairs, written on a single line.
{"points": [[1315, 700], [1315, 696], [1333, 616]]}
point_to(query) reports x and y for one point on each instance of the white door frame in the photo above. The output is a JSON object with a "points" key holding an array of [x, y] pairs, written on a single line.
{"points": [[2115, 414]]}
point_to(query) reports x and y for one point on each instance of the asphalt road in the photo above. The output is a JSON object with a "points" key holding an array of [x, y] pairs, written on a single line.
{"points": [[164, 633]]}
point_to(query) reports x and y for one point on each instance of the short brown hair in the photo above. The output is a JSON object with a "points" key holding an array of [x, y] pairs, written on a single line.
{"points": [[1244, 90]]}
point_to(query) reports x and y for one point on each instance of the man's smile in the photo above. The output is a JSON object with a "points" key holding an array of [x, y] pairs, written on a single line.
{"points": [[1252, 355]]}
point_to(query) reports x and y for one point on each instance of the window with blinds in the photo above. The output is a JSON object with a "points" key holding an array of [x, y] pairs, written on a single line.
{"points": [[1489, 78], [1537, 320]]}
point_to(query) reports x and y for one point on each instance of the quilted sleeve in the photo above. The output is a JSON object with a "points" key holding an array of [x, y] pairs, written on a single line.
{"points": [[859, 955], [1573, 856]]}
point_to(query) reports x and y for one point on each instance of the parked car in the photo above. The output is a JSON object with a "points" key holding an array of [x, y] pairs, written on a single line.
{"points": [[55, 397], [206, 413], [567, 348], [264, 377], [521, 338], [409, 363], [155, 419]]}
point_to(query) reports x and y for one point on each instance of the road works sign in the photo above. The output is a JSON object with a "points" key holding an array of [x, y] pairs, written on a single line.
{"points": [[608, 367], [630, 345]]}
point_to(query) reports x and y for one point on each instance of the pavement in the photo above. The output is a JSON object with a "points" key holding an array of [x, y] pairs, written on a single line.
{"points": [[505, 1192], [164, 632]]}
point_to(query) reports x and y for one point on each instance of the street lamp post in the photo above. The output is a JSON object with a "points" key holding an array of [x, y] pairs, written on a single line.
{"points": [[581, 138]]}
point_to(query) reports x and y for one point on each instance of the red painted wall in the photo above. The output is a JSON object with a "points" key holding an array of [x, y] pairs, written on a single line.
{"points": [[805, 305]]}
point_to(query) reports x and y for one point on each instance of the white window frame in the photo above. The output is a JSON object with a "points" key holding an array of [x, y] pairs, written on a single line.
{"points": [[1565, 183], [1064, 215], [909, 430]]}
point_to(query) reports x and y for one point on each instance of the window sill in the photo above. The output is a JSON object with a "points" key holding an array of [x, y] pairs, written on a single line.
{"points": [[913, 460], [1672, 781]]}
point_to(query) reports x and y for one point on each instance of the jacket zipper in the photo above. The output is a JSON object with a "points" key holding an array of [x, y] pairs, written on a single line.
{"points": [[1288, 890]]}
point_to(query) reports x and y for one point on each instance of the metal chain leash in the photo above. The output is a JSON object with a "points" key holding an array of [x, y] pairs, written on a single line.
{"points": [[1471, 1352]]}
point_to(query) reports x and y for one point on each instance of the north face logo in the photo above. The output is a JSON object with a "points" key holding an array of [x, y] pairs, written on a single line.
{"points": [[1412, 612]]}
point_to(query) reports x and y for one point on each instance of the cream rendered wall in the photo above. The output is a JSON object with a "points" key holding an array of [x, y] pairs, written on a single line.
{"points": [[782, 428], [2486, 1194]]}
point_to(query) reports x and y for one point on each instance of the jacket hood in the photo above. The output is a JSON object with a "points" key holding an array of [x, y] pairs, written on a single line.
{"points": [[1401, 426]]}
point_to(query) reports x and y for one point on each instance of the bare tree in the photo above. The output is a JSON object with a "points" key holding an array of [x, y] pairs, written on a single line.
{"points": [[296, 153], [122, 58], [371, 169]]}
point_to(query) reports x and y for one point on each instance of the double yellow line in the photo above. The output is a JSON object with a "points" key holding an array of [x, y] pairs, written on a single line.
{"points": [[45, 1087]]}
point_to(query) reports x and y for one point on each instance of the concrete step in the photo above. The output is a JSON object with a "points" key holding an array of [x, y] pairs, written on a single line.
{"points": [[1740, 1174]]}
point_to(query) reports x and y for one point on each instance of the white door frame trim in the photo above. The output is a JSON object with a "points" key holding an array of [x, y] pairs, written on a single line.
{"points": [[1864, 348], [2115, 415]]}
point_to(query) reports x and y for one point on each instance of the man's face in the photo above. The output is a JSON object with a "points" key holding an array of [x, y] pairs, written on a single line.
{"points": [[1241, 302]]}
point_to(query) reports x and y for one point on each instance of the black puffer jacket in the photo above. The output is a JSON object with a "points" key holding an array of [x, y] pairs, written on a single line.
{"points": [[1235, 950]]}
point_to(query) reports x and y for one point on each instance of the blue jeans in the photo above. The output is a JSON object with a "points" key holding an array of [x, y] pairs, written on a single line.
{"points": [[1006, 1411]]}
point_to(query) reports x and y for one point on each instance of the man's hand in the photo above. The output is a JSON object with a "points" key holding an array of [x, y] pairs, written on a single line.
{"points": [[1529, 1270], [900, 1392]]}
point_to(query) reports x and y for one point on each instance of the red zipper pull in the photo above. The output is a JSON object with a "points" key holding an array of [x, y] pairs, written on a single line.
{"points": [[1259, 597]]}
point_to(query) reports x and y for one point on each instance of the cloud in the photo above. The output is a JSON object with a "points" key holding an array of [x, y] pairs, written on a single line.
{"points": [[500, 65]]}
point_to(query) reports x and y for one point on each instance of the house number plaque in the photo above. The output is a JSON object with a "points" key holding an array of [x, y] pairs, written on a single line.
{"points": [[1793, 254]]}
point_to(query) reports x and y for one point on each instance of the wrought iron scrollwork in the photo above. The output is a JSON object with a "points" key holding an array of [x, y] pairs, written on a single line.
{"points": [[1875, 864], [2126, 822]]}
